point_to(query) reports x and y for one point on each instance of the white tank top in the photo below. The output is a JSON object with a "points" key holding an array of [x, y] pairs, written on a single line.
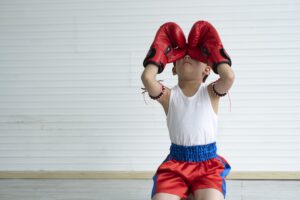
{"points": [[191, 120]]}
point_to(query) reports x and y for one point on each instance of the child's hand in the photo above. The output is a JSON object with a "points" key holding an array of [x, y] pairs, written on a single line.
{"points": [[168, 46], [204, 45]]}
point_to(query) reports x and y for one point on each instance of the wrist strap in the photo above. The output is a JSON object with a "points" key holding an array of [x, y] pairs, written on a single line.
{"points": [[158, 96], [152, 97], [215, 91]]}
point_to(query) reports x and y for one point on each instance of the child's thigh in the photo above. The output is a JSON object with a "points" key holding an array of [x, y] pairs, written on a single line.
{"points": [[208, 194], [165, 196]]}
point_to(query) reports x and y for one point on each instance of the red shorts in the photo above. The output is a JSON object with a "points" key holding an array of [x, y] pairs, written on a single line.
{"points": [[181, 178]]}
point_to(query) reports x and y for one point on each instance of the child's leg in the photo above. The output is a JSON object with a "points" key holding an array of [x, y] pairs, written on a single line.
{"points": [[212, 186], [208, 194], [165, 196]]}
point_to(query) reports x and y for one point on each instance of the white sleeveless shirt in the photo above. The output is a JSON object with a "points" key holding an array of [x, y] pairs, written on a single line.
{"points": [[191, 120]]}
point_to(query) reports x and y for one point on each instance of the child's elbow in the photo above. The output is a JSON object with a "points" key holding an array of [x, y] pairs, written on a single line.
{"points": [[230, 76], [144, 76], [149, 73]]}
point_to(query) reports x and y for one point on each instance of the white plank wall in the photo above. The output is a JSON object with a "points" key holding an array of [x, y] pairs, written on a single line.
{"points": [[70, 87]]}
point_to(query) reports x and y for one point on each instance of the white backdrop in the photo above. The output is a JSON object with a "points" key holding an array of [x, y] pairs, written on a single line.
{"points": [[70, 87]]}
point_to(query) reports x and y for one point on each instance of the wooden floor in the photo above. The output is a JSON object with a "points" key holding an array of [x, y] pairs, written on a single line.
{"points": [[112, 189]]}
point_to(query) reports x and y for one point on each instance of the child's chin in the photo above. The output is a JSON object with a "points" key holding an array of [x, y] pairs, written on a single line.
{"points": [[188, 76], [189, 72]]}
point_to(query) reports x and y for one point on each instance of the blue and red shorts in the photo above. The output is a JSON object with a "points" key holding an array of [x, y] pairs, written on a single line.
{"points": [[188, 168]]}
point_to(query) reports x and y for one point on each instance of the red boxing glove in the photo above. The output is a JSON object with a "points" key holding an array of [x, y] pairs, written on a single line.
{"points": [[168, 46], [204, 45]]}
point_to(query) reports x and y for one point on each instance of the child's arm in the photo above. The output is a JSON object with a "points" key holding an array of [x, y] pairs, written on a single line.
{"points": [[224, 83], [149, 80], [168, 46], [221, 86], [154, 87]]}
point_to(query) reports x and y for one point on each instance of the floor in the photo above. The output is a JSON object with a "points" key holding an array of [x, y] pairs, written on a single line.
{"points": [[112, 189]]}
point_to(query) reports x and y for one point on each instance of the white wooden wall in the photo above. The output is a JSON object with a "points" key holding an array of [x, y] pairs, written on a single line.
{"points": [[70, 87]]}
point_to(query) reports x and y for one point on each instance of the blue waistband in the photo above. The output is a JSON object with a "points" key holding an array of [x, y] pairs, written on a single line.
{"points": [[193, 153]]}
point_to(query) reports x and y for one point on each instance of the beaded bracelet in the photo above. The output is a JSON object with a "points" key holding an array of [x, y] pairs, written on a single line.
{"points": [[161, 93], [217, 93]]}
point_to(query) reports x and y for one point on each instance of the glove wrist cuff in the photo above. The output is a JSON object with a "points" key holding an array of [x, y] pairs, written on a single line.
{"points": [[157, 57], [217, 57]]}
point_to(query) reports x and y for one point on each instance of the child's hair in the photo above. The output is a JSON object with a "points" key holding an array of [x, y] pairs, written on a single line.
{"points": [[204, 78]]}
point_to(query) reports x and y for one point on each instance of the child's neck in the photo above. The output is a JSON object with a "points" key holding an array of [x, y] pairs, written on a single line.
{"points": [[189, 87]]}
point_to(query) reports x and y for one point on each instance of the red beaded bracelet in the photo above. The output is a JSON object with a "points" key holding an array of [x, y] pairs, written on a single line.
{"points": [[161, 93], [217, 93]]}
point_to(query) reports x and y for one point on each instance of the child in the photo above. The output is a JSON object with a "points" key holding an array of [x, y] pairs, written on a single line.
{"points": [[191, 106]]}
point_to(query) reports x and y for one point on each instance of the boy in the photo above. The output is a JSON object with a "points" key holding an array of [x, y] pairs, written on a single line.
{"points": [[193, 165]]}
